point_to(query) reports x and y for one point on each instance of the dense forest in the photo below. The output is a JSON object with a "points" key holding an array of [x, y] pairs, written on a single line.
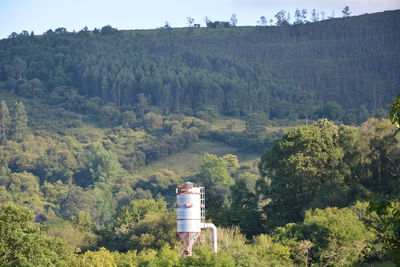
{"points": [[290, 70], [288, 128]]}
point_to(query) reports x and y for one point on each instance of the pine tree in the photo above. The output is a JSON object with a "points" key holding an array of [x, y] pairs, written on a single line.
{"points": [[4, 122], [20, 122]]}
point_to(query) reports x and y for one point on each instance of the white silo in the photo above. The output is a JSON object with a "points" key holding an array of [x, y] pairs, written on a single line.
{"points": [[190, 213]]}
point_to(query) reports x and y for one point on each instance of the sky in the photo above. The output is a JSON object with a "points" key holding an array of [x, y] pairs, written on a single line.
{"points": [[41, 15]]}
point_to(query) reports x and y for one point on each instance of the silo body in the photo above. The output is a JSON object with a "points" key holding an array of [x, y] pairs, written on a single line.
{"points": [[189, 214]]}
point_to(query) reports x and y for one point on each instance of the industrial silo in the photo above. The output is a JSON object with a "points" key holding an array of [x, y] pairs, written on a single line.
{"points": [[190, 214]]}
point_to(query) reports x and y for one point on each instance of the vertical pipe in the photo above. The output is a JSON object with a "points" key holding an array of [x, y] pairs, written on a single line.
{"points": [[214, 238]]}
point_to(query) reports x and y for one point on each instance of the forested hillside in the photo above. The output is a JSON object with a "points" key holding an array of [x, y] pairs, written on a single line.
{"points": [[286, 127], [284, 71]]}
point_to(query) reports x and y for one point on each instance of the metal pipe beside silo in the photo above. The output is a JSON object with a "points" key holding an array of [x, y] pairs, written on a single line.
{"points": [[214, 234]]}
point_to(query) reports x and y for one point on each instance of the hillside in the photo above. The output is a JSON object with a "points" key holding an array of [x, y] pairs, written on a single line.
{"points": [[283, 71], [285, 126]]}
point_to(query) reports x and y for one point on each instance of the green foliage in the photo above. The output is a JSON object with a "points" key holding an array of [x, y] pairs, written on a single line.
{"points": [[23, 244], [298, 165], [4, 122], [388, 226], [153, 121], [138, 210], [232, 162], [214, 171], [23, 187], [76, 200], [83, 221], [70, 234], [395, 113], [104, 206], [103, 165], [144, 68], [73, 167], [100, 258], [19, 123], [110, 114], [339, 237], [207, 257], [256, 122], [243, 204], [13, 127], [274, 254], [380, 173], [327, 165], [331, 237], [161, 182], [145, 223], [166, 257], [128, 118], [331, 111], [154, 231]]}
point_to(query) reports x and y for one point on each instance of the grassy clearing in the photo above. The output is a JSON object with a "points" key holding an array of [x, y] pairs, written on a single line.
{"points": [[225, 123], [187, 162]]}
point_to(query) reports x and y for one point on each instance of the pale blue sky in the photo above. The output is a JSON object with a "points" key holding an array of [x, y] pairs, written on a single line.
{"points": [[41, 15]]}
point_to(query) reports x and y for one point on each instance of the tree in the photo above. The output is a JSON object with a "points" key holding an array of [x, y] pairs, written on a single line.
{"points": [[388, 211], [24, 187], [145, 223], [346, 12], [109, 113], [76, 200], [4, 122], [18, 67], [108, 30], [323, 16], [20, 122], [304, 15], [234, 20], [13, 35], [142, 104], [298, 165], [190, 22], [83, 221], [298, 17], [60, 30], [104, 205], [103, 165], [332, 111], [244, 205], [138, 210], [208, 22], [99, 258], [281, 18], [395, 113], [23, 244], [271, 21], [388, 214], [256, 123], [314, 15], [153, 121], [262, 21], [327, 237], [155, 231], [232, 162], [339, 237], [128, 118], [214, 171], [167, 25]]}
